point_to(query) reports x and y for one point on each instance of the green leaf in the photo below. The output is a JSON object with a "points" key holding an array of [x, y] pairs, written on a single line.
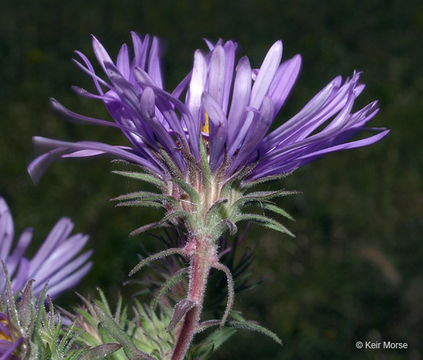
{"points": [[195, 197], [278, 210], [215, 208], [121, 337], [147, 196], [141, 203], [222, 226], [173, 168], [264, 180], [259, 196], [143, 177], [100, 352], [162, 222], [155, 257], [265, 221], [150, 226], [171, 282], [206, 325], [250, 325]]}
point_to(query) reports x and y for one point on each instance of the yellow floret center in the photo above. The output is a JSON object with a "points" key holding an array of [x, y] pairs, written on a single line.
{"points": [[3, 336], [205, 127]]}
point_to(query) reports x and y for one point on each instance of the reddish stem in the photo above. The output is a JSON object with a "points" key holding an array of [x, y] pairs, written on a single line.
{"points": [[201, 261]]}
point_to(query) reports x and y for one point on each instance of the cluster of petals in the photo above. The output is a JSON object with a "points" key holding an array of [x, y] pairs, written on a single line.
{"points": [[57, 261], [225, 102]]}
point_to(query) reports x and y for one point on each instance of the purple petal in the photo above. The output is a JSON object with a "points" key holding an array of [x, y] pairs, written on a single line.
{"points": [[140, 49], [266, 74], [67, 270], [261, 124], [70, 281], [122, 61], [100, 53], [192, 126], [350, 145], [240, 97], [11, 349], [77, 118], [196, 88], [6, 230], [18, 252], [283, 82], [40, 164], [59, 257], [179, 89], [22, 276], [83, 154], [216, 78], [315, 105], [89, 69], [218, 129], [261, 86], [230, 50], [59, 233], [154, 66]]}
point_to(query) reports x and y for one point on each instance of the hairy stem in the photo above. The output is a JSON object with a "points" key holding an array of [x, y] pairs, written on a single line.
{"points": [[201, 262]]}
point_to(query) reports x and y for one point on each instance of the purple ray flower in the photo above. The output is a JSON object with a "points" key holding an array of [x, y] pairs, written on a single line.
{"points": [[56, 261], [230, 107]]}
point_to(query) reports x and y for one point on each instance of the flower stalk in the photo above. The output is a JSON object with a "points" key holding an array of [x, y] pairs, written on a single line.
{"points": [[202, 261]]}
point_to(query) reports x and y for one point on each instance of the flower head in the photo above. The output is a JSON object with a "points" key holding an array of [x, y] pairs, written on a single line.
{"points": [[231, 107], [204, 150], [56, 261]]}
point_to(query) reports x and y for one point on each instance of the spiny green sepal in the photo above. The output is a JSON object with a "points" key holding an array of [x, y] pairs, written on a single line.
{"points": [[141, 176], [265, 221]]}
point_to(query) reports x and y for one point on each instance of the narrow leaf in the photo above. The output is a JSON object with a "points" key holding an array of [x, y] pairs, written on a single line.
{"points": [[231, 291], [144, 228], [169, 284], [206, 325], [181, 308], [215, 208], [143, 177], [188, 189], [276, 209], [120, 336], [261, 196], [249, 325], [145, 195], [265, 221], [141, 203], [248, 185], [155, 257], [99, 352]]}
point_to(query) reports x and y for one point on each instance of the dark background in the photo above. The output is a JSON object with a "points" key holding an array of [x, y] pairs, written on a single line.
{"points": [[355, 270]]}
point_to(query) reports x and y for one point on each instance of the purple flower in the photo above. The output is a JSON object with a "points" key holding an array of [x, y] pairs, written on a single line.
{"points": [[207, 143], [56, 261], [230, 107], [7, 343]]}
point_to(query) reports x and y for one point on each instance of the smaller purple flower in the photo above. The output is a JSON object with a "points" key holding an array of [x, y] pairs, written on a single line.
{"points": [[8, 344], [56, 261]]}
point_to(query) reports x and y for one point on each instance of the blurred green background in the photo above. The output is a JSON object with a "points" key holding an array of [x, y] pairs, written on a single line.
{"points": [[355, 270]]}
